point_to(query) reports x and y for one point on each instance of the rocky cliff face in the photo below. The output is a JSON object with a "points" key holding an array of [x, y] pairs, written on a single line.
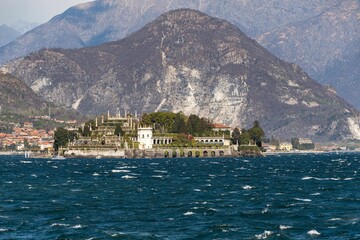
{"points": [[326, 45], [188, 61], [314, 34], [15, 95]]}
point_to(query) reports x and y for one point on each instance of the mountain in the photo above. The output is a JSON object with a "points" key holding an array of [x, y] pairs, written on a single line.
{"points": [[15, 95], [326, 45], [7, 34], [313, 34], [191, 62]]}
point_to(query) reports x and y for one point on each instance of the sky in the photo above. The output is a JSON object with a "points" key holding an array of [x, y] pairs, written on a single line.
{"points": [[33, 11]]}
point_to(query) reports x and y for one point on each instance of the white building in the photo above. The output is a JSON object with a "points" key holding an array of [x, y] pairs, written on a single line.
{"points": [[145, 137]]}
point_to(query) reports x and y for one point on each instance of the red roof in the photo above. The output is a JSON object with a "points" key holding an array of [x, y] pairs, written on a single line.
{"points": [[220, 125]]}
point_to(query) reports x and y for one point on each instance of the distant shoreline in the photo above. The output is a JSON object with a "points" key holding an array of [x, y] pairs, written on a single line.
{"points": [[310, 152]]}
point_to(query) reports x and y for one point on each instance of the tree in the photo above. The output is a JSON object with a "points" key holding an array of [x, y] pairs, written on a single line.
{"points": [[194, 124], [235, 136], [179, 125], [256, 133], [26, 144], [62, 138], [118, 130], [145, 120], [244, 137]]}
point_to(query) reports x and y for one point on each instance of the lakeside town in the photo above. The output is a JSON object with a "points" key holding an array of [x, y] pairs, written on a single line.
{"points": [[147, 136]]}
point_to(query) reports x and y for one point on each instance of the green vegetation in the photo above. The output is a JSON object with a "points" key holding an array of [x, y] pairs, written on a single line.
{"points": [[62, 137], [305, 146]]}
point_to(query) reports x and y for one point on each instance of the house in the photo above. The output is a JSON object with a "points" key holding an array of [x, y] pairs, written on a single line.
{"points": [[217, 127], [285, 146]]}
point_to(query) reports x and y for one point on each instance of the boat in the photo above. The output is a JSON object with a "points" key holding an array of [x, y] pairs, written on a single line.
{"points": [[58, 157]]}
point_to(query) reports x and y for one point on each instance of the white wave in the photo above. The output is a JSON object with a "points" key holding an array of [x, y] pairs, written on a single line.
{"points": [[264, 235], [96, 174], [335, 219], [189, 213], [302, 199], [120, 171], [321, 179], [348, 179], [307, 178], [247, 187], [284, 227], [128, 177], [26, 162], [9, 182], [197, 190], [313, 233], [315, 194], [157, 176], [160, 171], [34, 175], [59, 225], [127, 167], [3, 216], [265, 210], [54, 167], [77, 226]]}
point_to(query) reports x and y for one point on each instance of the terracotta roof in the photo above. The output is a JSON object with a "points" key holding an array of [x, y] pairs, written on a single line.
{"points": [[220, 125]]}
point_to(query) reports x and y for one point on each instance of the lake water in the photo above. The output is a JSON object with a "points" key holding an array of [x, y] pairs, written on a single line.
{"points": [[303, 196]]}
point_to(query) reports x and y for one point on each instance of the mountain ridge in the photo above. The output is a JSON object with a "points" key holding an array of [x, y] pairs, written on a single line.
{"points": [[314, 35], [188, 61]]}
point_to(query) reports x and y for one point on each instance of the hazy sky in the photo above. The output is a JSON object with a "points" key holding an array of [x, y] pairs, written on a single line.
{"points": [[38, 11]]}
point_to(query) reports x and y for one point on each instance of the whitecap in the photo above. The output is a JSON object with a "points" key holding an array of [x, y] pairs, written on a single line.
{"points": [[160, 171], [120, 171], [4, 229], [59, 225], [265, 210], [26, 162], [307, 178], [157, 176], [315, 194], [189, 213], [302, 199], [34, 175], [335, 219], [348, 179], [247, 187], [128, 177], [284, 227], [77, 226], [96, 174], [314, 232], [197, 190], [263, 235]]}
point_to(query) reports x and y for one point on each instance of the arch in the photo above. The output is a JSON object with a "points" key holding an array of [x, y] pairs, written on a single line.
{"points": [[174, 154], [166, 154], [182, 153], [189, 154], [205, 154], [197, 154], [221, 153], [213, 153]]}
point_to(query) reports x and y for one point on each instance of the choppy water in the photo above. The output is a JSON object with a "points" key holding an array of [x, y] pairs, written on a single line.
{"points": [[277, 197]]}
